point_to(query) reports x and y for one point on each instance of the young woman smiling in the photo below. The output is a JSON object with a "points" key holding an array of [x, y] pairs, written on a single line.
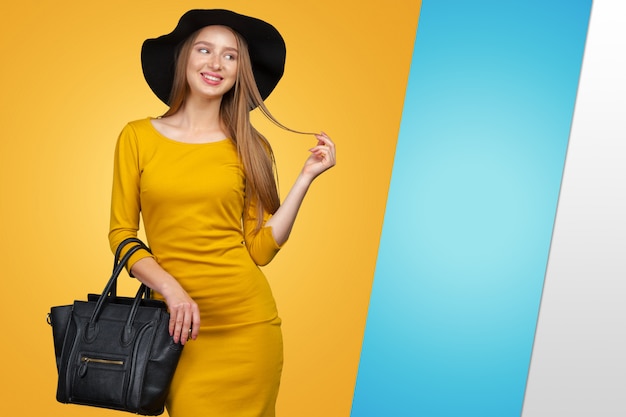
{"points": [[201, 178]]}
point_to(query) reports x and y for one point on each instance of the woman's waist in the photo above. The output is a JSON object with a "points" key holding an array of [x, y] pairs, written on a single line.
{"points": [[182, 255], [195, 243], [221, 307]]}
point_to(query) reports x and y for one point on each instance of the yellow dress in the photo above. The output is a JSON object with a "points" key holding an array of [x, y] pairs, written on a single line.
{"points": [[191, 198]]}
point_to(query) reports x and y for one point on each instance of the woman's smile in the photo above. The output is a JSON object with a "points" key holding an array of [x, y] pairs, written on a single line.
{"points": [[212, 78], [212, 64]]}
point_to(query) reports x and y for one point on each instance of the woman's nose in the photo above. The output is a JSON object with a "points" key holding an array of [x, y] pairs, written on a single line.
{"points": [[215, 63]]}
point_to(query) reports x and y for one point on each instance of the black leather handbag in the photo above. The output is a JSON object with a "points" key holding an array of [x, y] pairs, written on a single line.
{"points": [[115, 352]]}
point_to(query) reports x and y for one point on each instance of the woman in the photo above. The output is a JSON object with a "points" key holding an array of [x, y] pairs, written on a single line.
{"points": [[203, 180]]}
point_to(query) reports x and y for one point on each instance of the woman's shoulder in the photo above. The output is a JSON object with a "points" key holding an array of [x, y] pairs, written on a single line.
{"points": [[140, 125], [138, 129]]}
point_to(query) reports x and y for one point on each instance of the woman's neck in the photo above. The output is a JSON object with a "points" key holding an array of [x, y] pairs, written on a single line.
{"points": [[195, 122], [199, 114]]}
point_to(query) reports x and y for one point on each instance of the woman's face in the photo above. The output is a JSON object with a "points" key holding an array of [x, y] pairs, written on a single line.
{"points": [[212, 64]]}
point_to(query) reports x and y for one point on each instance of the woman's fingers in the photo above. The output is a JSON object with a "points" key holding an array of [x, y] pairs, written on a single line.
{"points": [[194, 329], [325, 139], [184, 322], [324, 151]]}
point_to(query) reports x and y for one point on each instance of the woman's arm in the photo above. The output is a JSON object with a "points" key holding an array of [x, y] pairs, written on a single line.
{"points": [[323, 157], [125, 212], [184, 312]]}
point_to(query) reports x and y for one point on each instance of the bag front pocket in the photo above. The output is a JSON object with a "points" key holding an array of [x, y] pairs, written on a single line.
{"points": [[95, 371]]}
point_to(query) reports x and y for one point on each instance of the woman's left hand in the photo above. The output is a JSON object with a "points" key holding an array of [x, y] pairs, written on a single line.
{"points": [[323, 157]]}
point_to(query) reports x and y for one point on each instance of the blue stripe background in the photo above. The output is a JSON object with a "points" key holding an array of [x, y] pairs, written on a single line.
{"points": [[471, 207]]}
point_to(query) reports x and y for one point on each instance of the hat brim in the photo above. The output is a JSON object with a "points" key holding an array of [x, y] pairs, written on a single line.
{"points": [[265, 45]]}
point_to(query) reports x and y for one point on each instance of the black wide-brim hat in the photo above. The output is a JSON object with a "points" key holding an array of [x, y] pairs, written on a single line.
{"points": [[265, 45]]}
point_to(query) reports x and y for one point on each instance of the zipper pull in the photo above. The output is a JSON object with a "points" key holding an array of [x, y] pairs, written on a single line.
{"points": [[82, 368]]}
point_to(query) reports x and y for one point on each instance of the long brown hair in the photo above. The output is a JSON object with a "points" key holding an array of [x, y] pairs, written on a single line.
{"points": [[254, 150]]}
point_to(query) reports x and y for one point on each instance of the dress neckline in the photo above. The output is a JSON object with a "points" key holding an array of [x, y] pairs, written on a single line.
{"points": [[162, 136]]}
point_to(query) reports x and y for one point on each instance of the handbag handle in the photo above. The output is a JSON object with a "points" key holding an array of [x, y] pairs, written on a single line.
{"points": [[116, 259], [110, 290], [127, 333], [125, 242]]}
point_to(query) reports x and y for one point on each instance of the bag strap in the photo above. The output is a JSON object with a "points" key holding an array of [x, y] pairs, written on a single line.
{"points": [[123, 244], [116, 261], [110, 290], [128, 333]]}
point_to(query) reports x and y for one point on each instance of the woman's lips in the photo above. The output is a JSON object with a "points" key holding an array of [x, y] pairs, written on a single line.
{"points": [[212, 78]]}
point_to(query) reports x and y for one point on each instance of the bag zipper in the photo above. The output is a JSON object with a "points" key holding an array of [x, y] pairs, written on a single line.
{"points": [[86, 359]]}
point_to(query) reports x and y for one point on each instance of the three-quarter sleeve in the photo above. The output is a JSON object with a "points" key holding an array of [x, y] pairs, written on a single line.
{"points": [[260, 242], [125, 196]]}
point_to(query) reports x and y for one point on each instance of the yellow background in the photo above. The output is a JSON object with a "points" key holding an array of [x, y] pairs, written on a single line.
{"points": [[70, 79]]}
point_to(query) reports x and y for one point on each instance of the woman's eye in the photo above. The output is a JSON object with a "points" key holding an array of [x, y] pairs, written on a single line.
{"points": [[231, 57], [203, 51]]}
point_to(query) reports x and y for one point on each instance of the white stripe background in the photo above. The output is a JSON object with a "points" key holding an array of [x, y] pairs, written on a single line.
{"points": [[578, 365]]}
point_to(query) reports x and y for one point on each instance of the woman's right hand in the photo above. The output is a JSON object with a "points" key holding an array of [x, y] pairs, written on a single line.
{"points": [[184, 312]]}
